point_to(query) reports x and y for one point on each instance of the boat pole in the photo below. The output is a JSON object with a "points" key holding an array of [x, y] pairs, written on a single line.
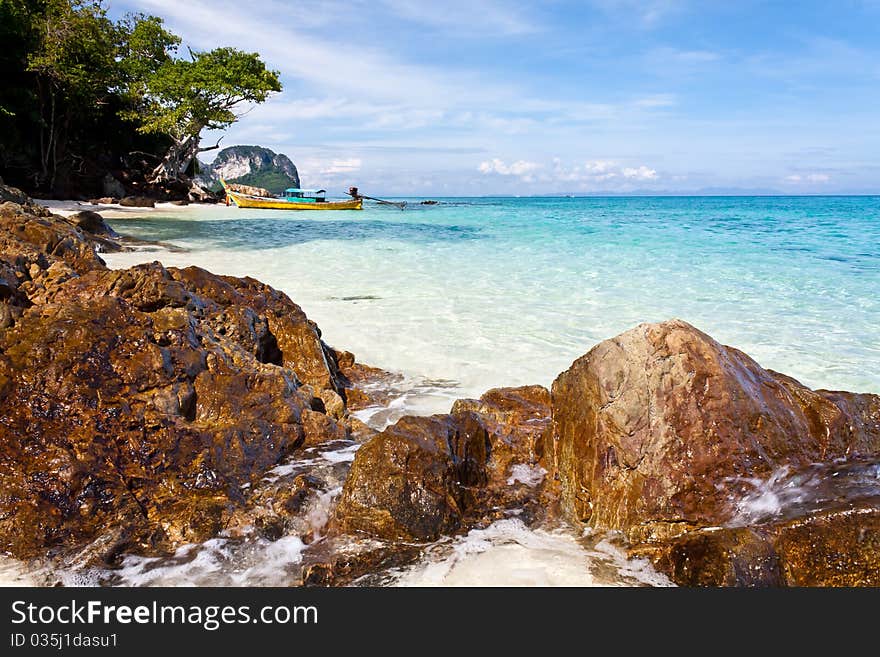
{"points": [[353, 192]]}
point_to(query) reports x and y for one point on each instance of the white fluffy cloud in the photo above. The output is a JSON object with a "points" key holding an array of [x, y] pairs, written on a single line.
{"points": [[342, 166], [521, 168], [808, 178], [588, 172], [583, 175], [640, 173], [600, 171]]}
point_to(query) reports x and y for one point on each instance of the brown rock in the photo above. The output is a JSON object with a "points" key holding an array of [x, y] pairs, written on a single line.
{"points": [[137, 202], [250, 190], [298, 339], [727, 557], [28, 239], [147, 288], [139, 408], [17, 201], [320, 428], [91, 222], [111, 417], [334, 405], [517, 421], [262, 321], [361, 385], [403, 483], [832, 548], [839, 547], [342, 560], [13, 195], [658, 426], [359, 431], [303, 486], [425, 476]]}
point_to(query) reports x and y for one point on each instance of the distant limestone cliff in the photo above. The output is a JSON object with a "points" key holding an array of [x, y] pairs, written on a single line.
{"points": [[249, 165]]}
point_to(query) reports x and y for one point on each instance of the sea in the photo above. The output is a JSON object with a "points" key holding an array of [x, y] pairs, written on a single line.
{"points": [[473, 293]]}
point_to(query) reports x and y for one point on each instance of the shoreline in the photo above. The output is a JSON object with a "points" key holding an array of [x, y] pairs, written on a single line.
{"points": [[66, 208]]}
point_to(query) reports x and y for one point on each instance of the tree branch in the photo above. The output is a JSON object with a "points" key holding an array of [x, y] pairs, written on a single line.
{"points": [[211, 148], [152, 155]]}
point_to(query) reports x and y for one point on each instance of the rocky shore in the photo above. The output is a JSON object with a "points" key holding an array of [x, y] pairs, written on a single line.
{"points": [[142, 409]]}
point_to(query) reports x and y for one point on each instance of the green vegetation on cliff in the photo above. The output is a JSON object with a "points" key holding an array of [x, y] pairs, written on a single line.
{"points": [[249, 165]]}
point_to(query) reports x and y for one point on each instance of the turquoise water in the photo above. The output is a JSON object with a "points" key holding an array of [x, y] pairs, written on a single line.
{"points": [[475, 293]]}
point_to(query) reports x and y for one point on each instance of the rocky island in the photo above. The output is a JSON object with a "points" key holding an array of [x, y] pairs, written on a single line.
{"points": [[141, 410], [254, 166]]}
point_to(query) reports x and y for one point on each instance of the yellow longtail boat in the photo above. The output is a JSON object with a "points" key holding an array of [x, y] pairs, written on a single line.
{"points": [[293, 199]]}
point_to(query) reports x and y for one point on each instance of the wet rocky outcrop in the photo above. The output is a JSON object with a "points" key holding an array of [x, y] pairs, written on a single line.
{"points": [[141, 408], [427, 476], [14, 195], [656, 429], [37, 249], [91, 223], [361, 385], [659, 433], [517, 425], [662, 432], [829, 547]]}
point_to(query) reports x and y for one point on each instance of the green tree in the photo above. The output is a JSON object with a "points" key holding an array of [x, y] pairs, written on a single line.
{"points": [[183, 97], [17, 34], [144, 47], [82, 92], [18, 107], [75, 66]]}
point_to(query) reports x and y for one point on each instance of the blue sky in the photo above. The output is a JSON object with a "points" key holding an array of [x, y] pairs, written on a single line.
{"points": [[471, 97]]}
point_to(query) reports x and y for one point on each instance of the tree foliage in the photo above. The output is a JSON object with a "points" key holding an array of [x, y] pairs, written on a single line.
{"points": [[75, 65], [185, 96], [83, 87], [77, 48], [144, 48]]}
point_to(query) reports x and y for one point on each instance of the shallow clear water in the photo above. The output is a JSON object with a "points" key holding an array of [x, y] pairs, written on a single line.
{"points": [[489, 292]]}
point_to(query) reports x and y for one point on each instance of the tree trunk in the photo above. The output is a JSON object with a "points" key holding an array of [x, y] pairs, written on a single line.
{"points": [[176, 160], [45, 136], [53, 141], [49, 130]]}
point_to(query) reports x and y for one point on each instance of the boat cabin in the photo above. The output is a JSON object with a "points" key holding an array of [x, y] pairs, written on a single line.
{"points": [[305, 195]]}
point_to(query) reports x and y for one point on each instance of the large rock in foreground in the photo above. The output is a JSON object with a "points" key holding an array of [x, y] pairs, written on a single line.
{"points": [[656, 429], [141, 407], [427, 476]]}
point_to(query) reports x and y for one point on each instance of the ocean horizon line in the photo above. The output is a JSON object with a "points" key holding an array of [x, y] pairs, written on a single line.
{"points": [[632, 195]]}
